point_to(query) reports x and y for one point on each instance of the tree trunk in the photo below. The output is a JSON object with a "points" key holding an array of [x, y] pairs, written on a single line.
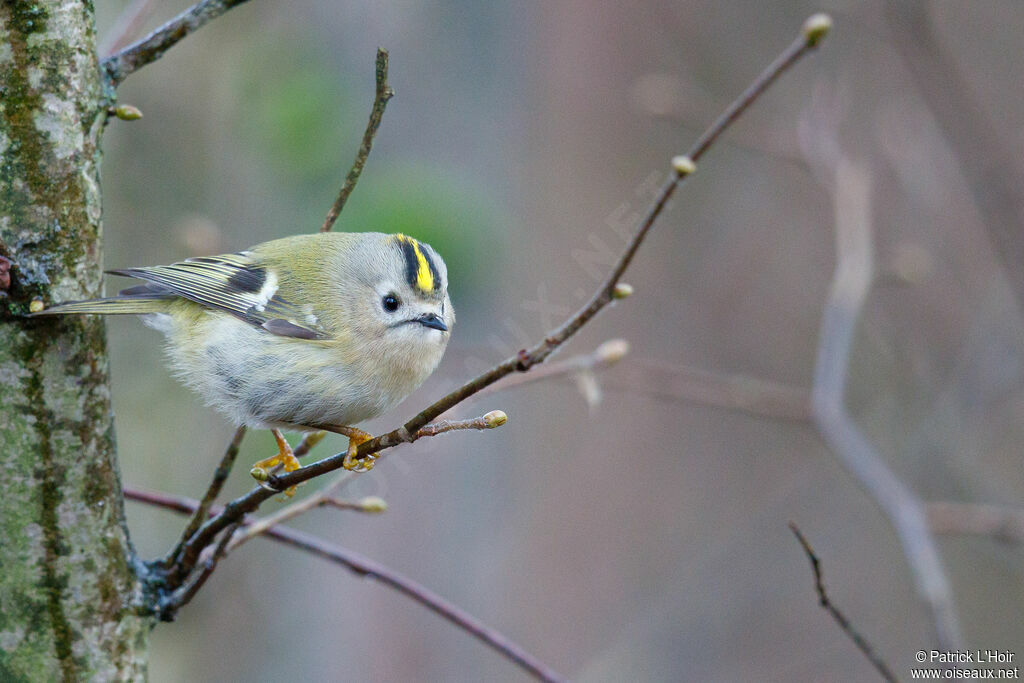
{"points": [[69, 589]]}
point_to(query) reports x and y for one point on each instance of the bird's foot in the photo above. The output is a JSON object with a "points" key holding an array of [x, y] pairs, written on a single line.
{"points": [[352, 463], [261, 470]]}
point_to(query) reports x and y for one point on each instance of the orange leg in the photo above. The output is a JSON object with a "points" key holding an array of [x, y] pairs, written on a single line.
{"points": [[285, 456], [356, 437]]}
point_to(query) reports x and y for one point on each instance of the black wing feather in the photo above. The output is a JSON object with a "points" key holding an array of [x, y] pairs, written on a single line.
{"points": [[233, 283]]}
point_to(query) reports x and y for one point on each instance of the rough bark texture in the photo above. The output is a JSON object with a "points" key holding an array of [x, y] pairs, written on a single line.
{"points": [[68, 583]]}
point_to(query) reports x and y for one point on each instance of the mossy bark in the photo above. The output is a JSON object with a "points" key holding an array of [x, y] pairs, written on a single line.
{"points": [[69, 587]]}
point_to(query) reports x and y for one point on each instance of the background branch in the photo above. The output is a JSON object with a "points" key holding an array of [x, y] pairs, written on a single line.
{"points": [[819, 585], [898, 502], [367, 568]]}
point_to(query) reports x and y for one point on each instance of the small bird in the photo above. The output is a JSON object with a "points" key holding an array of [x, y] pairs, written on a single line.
{"points": [[311, 332]]}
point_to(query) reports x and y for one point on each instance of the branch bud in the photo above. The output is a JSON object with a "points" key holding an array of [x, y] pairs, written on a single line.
{"points": [[314, 438], [259, 474], [373, 504], [816, 28], [495, 418], [622, 290], [127, 112], [612, 351], [683, 165]]}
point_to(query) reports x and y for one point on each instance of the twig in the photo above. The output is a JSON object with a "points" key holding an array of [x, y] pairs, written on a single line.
{"points": [[493, 419], [811, 34], [220, 475], [863, 645], [295, 509], [999, 522], [151, 48], [366, 567], [380, 103], [604, 356], [128, 24], [899, 503], [184, 595]]}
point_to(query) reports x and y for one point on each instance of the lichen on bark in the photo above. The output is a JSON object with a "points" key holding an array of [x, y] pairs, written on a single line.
{"points": [[68, 585]]}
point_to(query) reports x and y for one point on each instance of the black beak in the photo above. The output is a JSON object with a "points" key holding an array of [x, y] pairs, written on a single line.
{"points": [[432, 321]]}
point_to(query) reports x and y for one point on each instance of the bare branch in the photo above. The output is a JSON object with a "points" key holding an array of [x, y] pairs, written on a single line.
{"points": [[1000, 522], [819, 585], [365, 567], [491, 420], [309, 440], [380, 103], [151, 48], [184, 595], [899, 503], [604, 356], [315, 500], [523, 361]]}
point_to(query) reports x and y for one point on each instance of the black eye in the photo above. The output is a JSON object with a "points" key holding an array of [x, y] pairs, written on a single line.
{"points": [[391, 303]]}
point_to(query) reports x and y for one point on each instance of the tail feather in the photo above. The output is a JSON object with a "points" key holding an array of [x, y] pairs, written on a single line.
{"points": [[115, 305]]}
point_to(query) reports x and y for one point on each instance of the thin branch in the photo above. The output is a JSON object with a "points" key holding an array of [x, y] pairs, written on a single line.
{"points": [[810, 36], [309, 440], [365, 567], [315, 500], [604, 356], [220, 475], [151, 48], [819, 585], [901, 506], [371, 504], [184, 595], [493, 419], [380, 103], [128, 24], [999, 522]]}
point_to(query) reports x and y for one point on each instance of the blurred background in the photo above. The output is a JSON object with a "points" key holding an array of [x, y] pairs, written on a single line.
{"points": [[643, 536]]}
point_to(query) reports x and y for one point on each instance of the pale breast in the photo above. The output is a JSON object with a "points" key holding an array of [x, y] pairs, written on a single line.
{"points": [[261, 380]]}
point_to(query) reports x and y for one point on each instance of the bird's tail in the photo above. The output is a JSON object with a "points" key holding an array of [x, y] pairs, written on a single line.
{"points": [[115, 305]]}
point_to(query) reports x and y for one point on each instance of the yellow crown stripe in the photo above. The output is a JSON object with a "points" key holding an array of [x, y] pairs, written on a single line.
{"points": [[424, 276]]}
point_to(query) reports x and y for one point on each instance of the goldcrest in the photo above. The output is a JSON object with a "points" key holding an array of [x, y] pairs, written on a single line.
{"points": [[312, 332]]}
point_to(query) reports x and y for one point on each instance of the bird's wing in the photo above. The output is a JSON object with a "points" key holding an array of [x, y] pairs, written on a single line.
{"points": [[239, 284]]}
